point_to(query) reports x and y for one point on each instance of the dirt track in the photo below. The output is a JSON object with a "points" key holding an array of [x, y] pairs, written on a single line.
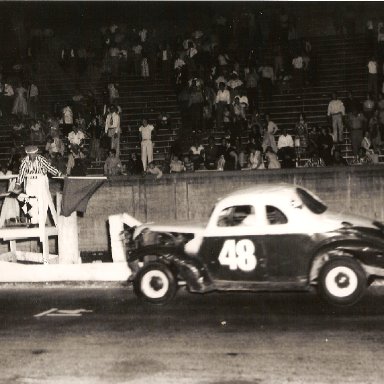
{"points": [[211, 339]]}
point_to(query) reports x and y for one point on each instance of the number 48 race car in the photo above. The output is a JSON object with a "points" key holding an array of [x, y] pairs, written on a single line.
{"points": [[265, 238]]}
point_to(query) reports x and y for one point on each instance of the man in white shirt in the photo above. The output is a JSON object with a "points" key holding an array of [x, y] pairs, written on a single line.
{"points": [[336, 111], [372, 76], [223, 98], [286, 150], [76, 136], [112, 128], [146, 143]]}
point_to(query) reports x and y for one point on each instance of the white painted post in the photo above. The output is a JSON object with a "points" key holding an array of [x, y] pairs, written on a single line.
{"points": [[68, 237]]}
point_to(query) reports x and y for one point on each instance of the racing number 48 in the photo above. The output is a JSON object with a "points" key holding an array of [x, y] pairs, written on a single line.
{"points": [[240, 255]]}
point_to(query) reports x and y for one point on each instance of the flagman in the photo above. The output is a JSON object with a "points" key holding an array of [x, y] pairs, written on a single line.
{"points": [[33, 173]]}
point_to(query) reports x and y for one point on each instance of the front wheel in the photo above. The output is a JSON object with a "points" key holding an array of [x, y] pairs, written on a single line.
{"points": [[155, 283], [342, 281]]}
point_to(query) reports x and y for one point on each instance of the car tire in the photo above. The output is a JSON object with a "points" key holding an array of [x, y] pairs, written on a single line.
{"points": [[155, 283], [342, 281]]}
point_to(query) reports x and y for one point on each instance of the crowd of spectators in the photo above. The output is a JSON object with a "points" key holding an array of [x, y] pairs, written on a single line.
{"points": [[219, 74]]}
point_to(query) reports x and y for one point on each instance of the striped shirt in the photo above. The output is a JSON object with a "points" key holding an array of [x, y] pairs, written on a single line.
{"points": [[39, 166]]}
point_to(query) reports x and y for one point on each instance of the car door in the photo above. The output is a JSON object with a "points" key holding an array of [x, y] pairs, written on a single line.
{"points": [[287, 242], [231, 249]]}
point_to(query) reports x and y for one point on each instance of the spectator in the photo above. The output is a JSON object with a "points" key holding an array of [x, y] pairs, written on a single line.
{"points": [[95, 131], [298, 70], [8, 96], [239, 116], [76, 165], [195, 153], [33, 100], [223, 99], [315, 161], [368, 106], [146, 143], [137, 57], [188, 164], [286, 151], [54, 145], [176, 165], [372, 76], [269, 135], [230, 156], [336, 111], [255, 160], [10, 209], [362, 158], [36, 132], [113, 93], [234, 85], [112, 165], [351, 104], [154, 170], [211, 154], [20, 106], [76, 137], [135, 165], [337, 159], [196, 108], [374, 130], [325, 144], [251, 84], [18, 132], [164, 121], [301, 136], [356, 123], [144, 67], [67, 119], [113, 129], [267, 80], [271, 158]]}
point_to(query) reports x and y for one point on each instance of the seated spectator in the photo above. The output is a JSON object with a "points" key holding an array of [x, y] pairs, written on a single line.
{"points": [[272, 159], [76, 137], [112, 165], [301, 136], [18, 131], [163, 121], [176, 165], [57, 160], [325, 145], [67, 119], [230, 156], [76, 164], [366, 143], [362, 158], [255, 160], [54, 145], [152, 169], [286, 152], [36, 132], [188, 165], [269, 134], [234, 84], [267, 80], [239, 116], [315, 161], [221, 163], [337, 159], [211, 153], [194, 153], [135, 165], [80, 122]]}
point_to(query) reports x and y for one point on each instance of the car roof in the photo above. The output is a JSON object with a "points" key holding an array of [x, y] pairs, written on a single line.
{"points": [[263, 189]]}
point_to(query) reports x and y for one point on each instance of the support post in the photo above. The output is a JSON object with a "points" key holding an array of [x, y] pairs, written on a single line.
{"points": [[68, 237]]}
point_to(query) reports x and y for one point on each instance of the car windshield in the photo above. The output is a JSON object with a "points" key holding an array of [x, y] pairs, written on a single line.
{"points": [[312, 203]]}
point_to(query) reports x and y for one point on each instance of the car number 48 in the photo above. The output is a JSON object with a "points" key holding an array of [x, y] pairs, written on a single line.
{"points": [[240, 255]]}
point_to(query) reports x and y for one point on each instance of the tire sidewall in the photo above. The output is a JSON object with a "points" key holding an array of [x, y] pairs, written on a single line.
{"points": [[159, 269], [356, 277]]}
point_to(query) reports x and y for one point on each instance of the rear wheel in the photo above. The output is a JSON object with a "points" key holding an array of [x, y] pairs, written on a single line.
{"points": [[342, 281], [155, 283]]}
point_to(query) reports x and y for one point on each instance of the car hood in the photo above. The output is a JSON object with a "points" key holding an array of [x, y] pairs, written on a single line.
{"points": [[341, 219], [173, 227]]}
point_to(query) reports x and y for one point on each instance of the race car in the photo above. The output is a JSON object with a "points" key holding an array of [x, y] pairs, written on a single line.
{"points": [[265, 238]]}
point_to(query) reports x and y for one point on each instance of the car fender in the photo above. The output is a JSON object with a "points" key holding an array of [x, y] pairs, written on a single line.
{"points": [[360, 250], [185, 268]]}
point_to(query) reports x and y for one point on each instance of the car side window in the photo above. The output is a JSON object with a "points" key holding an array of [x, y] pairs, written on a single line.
{"points": [[236, 215], [275, 216]]}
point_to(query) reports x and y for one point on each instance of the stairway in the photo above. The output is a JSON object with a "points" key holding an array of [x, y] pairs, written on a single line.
{"points": [[342, 67]]}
